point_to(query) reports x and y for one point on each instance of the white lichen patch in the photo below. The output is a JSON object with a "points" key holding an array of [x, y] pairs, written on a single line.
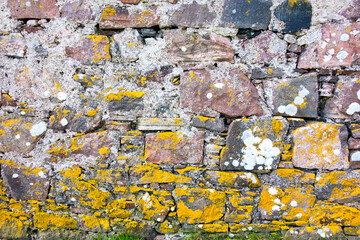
{"points": [[64, 122], [293, 203], [257, 151], [354, 107], [273, 191], [38, 129], [292, 108], [345, 37]]}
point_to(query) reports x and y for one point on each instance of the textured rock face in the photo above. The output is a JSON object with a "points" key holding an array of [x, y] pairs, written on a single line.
{"points": [[336, 48], [248, 148], [33, 9], [168, 147], [230, 93], [193, 47], [294, 97], [321, 146]]}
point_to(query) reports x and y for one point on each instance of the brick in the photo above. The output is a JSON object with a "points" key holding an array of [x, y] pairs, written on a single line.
{"points": [[231, 93], [169, 147], [193, 47], [33, 9], [114, 17], [92, 49], [321, 146]]}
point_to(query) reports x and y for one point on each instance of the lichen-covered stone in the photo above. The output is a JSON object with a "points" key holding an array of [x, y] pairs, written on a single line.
{"points": [[192, 15], [295, 14], [284, 178], [169, 147], [185, 47], [33, 9], [154, 207], [128, 44], [95, 144], [337, 47], [197, 205], [148, 173], [355, 130], [25, 183], [338, 186], [114, 17], [125, 102], [13, 45], [47, 221], [67, 118], [321, 146], [346, 100], [236, 209], [77, 11], [11, 227], [91, 49], [230, 93], [254, 144], [247, 14], [88, 81], [213, 124], [334, 214], [292, 204], [19, 135], [294, 97], [257, 227], [157, 124], [265, 48], [233, 179]]}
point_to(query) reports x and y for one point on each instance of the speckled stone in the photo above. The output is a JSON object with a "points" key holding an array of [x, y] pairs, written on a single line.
{"points": [[338, 47], [253, 14], [296, 97], [33, 9], [13, 45], [254, 144], [230, 93], [76, 11], [295, 14], [321, 146]]}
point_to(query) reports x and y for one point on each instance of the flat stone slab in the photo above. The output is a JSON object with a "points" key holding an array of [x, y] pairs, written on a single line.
{"points": [[294, 97], [33, 9], [321, 146], [338, 47], [230, 93], [254, 144]]}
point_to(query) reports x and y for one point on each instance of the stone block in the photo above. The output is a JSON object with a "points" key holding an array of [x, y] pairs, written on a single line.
{"points": [[33, 9]]}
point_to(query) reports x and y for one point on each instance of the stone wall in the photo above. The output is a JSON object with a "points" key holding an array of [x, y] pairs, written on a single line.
{"points": [[166, 117]]}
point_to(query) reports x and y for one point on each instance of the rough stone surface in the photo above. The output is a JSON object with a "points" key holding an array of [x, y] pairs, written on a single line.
{"points": [[247, 14], [193, 47], [13, 45], [25, 183], [321, 146], [294, 97], [254, 144], [77, 11], [230, 93], [122, 17], [265, 48], [128, 44], [336, 48], [213, 124], [33, 9], [346, 100], [178, 147]]}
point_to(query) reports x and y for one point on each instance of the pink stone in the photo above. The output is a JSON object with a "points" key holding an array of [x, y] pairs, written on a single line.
{"points": [[339, 46], [92, 49], [121, 17], [321, 146], [186, 47], [76, 11], [24, 9], [227, 92], [354, 143], [130, 1], [169, 147]]}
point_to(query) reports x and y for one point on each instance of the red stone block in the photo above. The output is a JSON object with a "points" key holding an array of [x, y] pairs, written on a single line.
{"points": [[25, 9]]}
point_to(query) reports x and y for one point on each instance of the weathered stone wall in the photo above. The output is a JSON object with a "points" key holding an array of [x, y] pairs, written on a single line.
{"points": [[165, 117]]}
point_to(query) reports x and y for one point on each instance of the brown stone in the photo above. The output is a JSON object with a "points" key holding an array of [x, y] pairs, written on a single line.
{"points": [[92, 49], [193, 47], [170, 147], [96, 144], [355, 130], [338, 47], [354, 143], [76, 11], [25, 183], [33, 9], [19, 135], [13, 45], [321, 146], [192, 15], [230, 93], [264, 48], [346, 100], [130, 1], [121, 17]]}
